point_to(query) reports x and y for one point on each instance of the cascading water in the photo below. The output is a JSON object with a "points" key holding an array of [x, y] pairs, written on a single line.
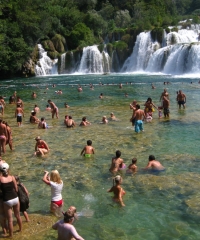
{"points": [[93, 61], [143, 49], [45, 66], [179, 53], [62, 64]]}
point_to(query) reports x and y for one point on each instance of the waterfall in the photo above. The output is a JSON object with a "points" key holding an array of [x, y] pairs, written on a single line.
{"points": [[179, 53], [62, 64], [45, 66], [93, 61], [142, 51]]}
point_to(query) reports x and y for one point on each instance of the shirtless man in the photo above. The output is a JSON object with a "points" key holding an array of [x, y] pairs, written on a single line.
{"points": [[139, 116], [116, 163], [18, 114], [181, 99], [33, 118], [84, 122], [3, 137], [164, 94], [70, 122], [117, 190], [54, 108], [88, 150], [166, 106], [154, 164], [42, 124], [20, 102], [133, 106]]}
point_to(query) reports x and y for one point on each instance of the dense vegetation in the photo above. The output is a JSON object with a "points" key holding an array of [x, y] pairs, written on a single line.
{"points": [[72, 24]]}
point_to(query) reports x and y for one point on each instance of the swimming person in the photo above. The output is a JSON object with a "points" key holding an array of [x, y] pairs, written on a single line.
{"points": [[132, 168], [118, 190], [42, 124], [54, 109], [41, 147], [18, 114], [70, 122], [139, 115], [84, 122], [117, 163], [104, 120], [181, 99], [56, 185], [88, 150], [66, 231], [154, 164]]}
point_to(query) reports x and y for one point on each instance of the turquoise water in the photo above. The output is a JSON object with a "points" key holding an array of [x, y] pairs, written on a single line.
{"points": [[164, 206]]}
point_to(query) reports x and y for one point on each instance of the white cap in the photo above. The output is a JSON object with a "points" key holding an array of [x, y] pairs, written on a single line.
{"points": [[4, 166]]}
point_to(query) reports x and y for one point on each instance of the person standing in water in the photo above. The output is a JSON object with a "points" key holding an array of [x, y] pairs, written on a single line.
{"points": [[117, 190], [117, 163], [139, 115], [54, 109], [181, 99], [88, 150], [18, 114]]}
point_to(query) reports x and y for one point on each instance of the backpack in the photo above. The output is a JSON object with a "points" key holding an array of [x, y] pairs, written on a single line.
{"points": [[23, 198]]}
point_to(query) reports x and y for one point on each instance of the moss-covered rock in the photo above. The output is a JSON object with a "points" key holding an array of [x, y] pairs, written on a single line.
{"points": [[48, 45], [59, 42], [157, 34]]}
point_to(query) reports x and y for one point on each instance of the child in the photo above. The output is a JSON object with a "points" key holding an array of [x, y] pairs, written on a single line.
{"points": [[23, 198], [159, 112], [132, 168], [56, 185], [88, 150], [118, 190]]}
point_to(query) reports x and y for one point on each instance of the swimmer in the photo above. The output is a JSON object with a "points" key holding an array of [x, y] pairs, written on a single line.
{"points": [[132, 168], [101, 96], [181, 99], [152, 86], [166, 106], [59, 92], [33, 95], [41, 147], [126, 94], [66, 105], [84, 122], [65, 228], [54, 108], [70, 122], [48, 108], [80, 89], [116, 163], [36, 108], [112, 117], [88, 150], [18, 114], [120, 85], [3, 137], [104, 120], [33, 118], [42, 124], [139, 116], [154, 164], [118, 190], [133, 106]]}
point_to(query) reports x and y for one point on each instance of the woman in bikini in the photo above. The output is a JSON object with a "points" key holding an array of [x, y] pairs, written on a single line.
{"points": [[41, 147], [56, 185], [149, 107], [118, 190]]}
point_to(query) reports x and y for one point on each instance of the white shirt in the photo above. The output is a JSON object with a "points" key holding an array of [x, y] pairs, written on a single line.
{"points": [[56, 189]]}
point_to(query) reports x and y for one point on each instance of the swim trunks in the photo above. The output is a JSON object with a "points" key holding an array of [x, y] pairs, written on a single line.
{"points": [[181, 102], [166, 110], [87, 155], [138, 126], [19, 118]]}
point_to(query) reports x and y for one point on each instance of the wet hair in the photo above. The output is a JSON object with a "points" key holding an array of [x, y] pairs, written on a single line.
{"points": [[149, 99], [89, 142], [42, 119], [118, 153], [68, 216], [70, 117], [47, 105], [84, 119], [55, 176], [137, 106], [151, 157], [49, 101], [134, 160], [33, 113]]}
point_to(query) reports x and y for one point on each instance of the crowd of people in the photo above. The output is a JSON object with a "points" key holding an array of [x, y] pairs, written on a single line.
{"points": [[14, 195]]}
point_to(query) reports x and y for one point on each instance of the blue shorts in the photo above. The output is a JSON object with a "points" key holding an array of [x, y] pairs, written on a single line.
{"points": [[138, 126]]}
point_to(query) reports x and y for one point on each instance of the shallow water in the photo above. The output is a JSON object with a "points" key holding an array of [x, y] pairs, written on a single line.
{"points": [[162, 206]]}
